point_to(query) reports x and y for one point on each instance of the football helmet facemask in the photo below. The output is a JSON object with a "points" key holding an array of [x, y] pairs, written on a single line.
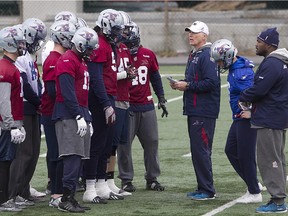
{"points": [[133, 39], [85, 41], [62, 32], [223, 50], [35, 32], [112, 24], [12, 39]]}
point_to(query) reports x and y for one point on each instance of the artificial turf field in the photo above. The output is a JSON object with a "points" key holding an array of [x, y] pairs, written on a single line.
{"points": [[177, 171]]}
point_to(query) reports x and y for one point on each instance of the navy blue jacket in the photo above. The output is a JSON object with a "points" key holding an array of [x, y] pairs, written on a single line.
{"points": [[269, 94], [240, 77], [202, 98]]}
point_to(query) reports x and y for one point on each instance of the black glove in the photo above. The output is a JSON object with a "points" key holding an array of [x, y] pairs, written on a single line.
{"points": [[161, 104]]}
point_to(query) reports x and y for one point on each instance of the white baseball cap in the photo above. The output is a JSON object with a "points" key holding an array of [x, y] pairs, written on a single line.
{"points": [[197, 27]]}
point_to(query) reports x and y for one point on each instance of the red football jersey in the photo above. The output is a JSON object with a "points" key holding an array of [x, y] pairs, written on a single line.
{"points": [[104, 54], [10, 74], [72, 64], [146, 62], [49, 74], [123, 61]]}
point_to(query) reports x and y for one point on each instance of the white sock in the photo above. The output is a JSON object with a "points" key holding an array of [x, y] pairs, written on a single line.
{"points": [[115, 189], [90, 184], [90, 192], [102, 188], [112, 186]]}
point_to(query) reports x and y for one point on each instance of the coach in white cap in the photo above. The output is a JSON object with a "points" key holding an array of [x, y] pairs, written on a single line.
{"points": [[198, 27], [198, 34], [201, 98]]}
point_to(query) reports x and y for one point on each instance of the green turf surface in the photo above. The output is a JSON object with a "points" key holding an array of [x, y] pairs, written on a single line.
{"points": [[177, 171]]}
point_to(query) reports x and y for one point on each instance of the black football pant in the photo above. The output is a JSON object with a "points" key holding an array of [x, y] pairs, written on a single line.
{"points": [[241, 151], [4, 180]]}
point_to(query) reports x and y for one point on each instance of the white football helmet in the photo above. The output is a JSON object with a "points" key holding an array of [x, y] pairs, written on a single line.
{"points": [[35, 31], [12, 39], [127, 24], [61, 32], [133, 39], [127, 21], [68, 16], [85, 41], [223, 50], [112, 24], [81, 22]]}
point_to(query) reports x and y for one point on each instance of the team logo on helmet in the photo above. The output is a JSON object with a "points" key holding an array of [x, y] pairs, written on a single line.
{"points": [[110, 16], [38, 27], [63, 28], [64, 17], [222, 49], [12, 33], [87, 35]]}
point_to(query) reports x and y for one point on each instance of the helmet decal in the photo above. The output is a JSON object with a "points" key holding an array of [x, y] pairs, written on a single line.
{"points": [[87, 35]]}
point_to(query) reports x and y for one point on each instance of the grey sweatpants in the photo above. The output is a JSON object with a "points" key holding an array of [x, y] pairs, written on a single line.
{"points": [[144, 126], [271, 162]]}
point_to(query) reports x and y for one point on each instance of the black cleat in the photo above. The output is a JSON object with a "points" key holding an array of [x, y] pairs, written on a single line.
{"points": [[129, 187], [71, 205], [154, 185]]}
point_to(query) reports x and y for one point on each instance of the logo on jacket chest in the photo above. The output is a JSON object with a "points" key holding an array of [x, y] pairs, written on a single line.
{"points": [[195, 60]]}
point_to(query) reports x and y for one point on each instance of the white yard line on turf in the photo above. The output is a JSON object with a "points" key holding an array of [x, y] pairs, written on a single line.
{"points": [[222, 208], [42, 155]]}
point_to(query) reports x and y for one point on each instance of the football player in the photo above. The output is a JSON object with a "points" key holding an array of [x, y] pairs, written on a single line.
{"points": [[125, 74], [61, 33], [12, 131], [143, 118], [241, 140], [102, 94], [27, 155], [63, 15], [71, 113]]}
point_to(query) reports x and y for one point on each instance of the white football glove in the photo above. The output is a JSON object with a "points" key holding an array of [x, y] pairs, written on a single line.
{"points": [[17, 136], [110, 115], [82, 126], [91, 129], [22, 129]]}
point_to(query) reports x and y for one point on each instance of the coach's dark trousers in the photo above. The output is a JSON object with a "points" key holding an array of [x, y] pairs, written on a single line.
{"points": [[201, 133]]}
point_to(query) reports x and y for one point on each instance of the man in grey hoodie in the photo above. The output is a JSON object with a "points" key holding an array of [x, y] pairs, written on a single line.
{"points": [[269, 96]]}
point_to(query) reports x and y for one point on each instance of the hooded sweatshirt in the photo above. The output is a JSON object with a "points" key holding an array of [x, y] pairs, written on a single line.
{"points": [[240, 77], [269, 94]]}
